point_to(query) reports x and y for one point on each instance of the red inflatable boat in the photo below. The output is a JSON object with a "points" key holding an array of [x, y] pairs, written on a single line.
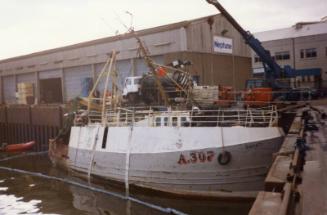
{"points": [[22, 147]]}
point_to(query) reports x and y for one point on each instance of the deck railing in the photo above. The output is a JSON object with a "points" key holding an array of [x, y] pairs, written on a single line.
{"points": [[150, 117]]}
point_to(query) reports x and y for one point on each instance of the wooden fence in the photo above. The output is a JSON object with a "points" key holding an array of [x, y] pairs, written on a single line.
{"points": [[23, 123]]}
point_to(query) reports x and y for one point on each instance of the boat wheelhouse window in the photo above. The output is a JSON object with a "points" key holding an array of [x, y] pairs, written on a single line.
{"points": [[183, 121], [174, 121], [158, 121], [166, 121]]}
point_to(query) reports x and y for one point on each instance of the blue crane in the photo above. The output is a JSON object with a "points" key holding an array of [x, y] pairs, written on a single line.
{"points": [[272, 70]]}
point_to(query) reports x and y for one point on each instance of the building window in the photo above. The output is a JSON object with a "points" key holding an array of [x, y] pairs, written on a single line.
{"points": [[282, 55], [257, 59], [308, 53]]}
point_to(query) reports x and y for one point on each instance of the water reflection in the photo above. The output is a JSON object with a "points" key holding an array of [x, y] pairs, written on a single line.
{"points": [[10, 204], [25, 194]]}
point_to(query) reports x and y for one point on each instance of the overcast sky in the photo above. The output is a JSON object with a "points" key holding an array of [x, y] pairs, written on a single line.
{"points": [[28, 26]]}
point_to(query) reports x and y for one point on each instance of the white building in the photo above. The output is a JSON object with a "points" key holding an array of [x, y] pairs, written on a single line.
{"points": [[302, 46]]}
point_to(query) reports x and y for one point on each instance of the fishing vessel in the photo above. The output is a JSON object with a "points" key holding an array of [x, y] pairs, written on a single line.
{"points": [[204, 150], [177, 145]]}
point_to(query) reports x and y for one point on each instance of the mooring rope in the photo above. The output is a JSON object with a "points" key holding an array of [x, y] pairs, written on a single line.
{"points": [[77, 184], [127, 160], [95, 140], [23, 155]]}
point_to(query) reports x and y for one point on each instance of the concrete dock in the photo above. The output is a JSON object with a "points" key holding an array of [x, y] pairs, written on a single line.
{"points": [[314, 189], [296, 182]]}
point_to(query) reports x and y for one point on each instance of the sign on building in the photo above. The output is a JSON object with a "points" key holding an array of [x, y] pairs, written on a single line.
{"points": [[222, 45]]}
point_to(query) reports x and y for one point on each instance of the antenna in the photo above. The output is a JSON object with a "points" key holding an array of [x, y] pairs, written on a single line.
{"points": [[131, 27], [132, 18], [121, 21], [107, 25]]}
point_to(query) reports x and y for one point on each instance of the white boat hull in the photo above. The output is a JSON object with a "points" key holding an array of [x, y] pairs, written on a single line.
{"points": [[176, 157]]}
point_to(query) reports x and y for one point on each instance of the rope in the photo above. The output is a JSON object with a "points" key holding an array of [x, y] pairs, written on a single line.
{"points": [[23, 155], [222, 139], [127, 160], [93, 153], [117, 195]]}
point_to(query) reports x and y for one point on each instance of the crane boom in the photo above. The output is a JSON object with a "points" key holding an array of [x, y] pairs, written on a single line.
{"points": [[272, 69], [152, 67]]}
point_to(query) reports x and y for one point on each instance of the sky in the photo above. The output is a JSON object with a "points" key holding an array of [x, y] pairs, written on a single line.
{"points": [[28, 26]]}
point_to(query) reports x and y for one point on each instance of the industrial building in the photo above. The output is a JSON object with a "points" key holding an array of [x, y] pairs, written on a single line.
{"points": [[302, 46], [217, 52]]}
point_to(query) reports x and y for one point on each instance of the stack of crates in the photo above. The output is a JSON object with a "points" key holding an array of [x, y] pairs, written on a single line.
{"points": [[25, 94]]}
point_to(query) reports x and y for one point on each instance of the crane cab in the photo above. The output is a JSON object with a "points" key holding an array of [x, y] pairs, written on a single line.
{"points": [[257, 83]]}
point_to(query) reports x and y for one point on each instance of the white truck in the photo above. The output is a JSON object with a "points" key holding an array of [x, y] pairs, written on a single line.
{"points": [[132, 87]]}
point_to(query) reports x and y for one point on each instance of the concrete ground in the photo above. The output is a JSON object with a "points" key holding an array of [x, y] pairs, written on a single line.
{"points": [[314, 187]]}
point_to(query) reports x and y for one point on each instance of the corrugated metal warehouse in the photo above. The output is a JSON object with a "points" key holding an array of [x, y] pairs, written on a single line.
{"points": [[57, 75]]}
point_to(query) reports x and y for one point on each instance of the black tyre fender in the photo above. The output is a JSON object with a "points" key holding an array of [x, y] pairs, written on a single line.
{"points": [[224, 158]]}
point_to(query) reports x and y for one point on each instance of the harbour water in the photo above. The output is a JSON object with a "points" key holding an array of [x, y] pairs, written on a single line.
{"points": [[24, 193]]}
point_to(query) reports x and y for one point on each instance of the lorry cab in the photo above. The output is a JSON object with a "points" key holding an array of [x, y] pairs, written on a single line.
{"points": [[131, 85]]}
